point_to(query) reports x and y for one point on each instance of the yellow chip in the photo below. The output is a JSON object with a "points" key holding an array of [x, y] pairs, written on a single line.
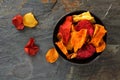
{"points": [[83, 16], [29, 20], [52, 55]]}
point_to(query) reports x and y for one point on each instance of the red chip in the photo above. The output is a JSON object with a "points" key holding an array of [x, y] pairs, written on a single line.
{"points": [[85, 24], [18, 22], [64, 30], [31, 48], [86, 51]]}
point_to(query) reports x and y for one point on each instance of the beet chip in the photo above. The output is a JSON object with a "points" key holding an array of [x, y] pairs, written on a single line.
{"points": [[85, 24], [86, 51], [64, 30], [31, 48], [18, 22]]}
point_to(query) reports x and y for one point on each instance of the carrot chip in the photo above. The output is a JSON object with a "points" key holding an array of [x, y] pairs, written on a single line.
{"points": [[52, 55]]}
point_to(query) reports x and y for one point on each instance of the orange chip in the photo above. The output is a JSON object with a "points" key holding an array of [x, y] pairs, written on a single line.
{"points": [[78, 39], [101, 46], [73, 28], [96, 29], [71, 56], [62, 47], [69, 46], [52, 55], [98, 35]]}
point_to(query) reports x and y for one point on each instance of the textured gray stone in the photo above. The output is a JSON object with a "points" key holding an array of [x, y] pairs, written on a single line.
{"points": [[16, 65]]}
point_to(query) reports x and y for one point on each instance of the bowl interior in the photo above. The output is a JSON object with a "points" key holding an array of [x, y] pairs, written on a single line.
{"points": [[80, 61]]}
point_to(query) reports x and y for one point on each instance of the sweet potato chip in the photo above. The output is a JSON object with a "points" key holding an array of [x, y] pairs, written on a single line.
{"points": [[101, 46], [96, 29], [83, 16], [73, 28], [29, 20], [78, 39], [62, 47], [52, 55], [72, 55], [98, 35], [70, 45]]}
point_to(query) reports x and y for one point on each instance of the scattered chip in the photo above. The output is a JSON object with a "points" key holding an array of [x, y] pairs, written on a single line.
{"points": [[52, 55], [29, 20], [31, 48], [18, 22]]}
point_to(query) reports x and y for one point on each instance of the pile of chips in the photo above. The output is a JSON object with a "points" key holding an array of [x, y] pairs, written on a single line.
{"points": [[79, 36]]}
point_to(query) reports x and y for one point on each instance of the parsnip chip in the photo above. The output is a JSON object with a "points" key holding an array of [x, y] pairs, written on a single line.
{"points": [[84, 16], [52, 55], [29, 20]]}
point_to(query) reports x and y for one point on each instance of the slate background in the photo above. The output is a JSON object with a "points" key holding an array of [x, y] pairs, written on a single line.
{"points": [[16, 65]]}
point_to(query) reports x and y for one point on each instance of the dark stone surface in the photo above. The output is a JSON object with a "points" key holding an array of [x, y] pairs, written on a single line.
{"points": [[16, 65]]}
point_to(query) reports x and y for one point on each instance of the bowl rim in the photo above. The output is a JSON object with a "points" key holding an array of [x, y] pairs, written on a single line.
{"points": [[76, 61]]}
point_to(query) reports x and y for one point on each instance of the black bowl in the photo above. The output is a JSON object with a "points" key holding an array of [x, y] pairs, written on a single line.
{"points": [[80, 61]]}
